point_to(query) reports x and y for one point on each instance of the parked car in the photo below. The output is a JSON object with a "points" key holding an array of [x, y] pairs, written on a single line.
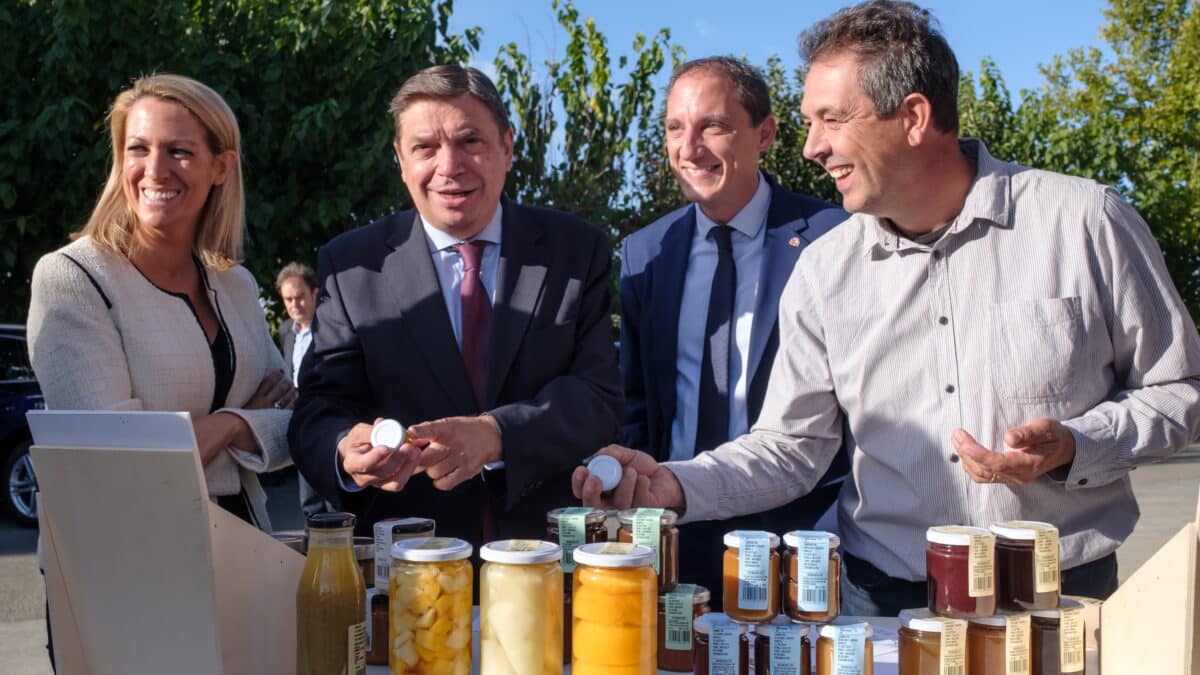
{"points": [[19, 393]]}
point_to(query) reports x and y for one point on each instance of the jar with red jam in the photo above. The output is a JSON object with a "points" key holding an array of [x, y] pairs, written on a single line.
{"points": [[1027, 570], [722, 645], [960, 571], [656, 529], [812, 571], [782, 648], [750, 573], [678, 609]]}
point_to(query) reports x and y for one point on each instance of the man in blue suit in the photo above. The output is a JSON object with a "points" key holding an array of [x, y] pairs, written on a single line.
{"points": [[700, 294]]}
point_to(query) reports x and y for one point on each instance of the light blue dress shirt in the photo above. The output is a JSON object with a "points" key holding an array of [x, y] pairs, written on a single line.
{"points": [[299, 348], [749, 235]]}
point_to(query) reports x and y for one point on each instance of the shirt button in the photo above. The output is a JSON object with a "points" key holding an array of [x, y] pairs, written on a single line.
{"points": [[943, 320], [954, 459], [949, 389], [937, 255], [1083, 481]]}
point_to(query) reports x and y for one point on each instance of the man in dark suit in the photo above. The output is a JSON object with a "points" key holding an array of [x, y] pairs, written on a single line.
{"points": [[480, 324], [700, 293]]}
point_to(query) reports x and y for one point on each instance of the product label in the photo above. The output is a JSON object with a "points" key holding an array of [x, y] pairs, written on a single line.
{"points": [[383, 551], [812, 573], [356, 655], [1045, 561], [723, 649], [849, 649], [572, 530], [1016, 645], [785, 650], [1070, 640], [953, 660], [647, 531], [981, 564], [369, 636], [523, 545], [754, 570], [678, 631]]}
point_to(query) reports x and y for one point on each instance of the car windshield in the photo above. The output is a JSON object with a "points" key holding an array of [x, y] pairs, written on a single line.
{"points": [[14, 361]]}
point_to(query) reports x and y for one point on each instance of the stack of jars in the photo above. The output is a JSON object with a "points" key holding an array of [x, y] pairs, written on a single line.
{"points": [[994, 606], [803, 583]]}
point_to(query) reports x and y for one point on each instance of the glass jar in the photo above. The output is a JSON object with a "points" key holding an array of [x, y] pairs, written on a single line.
{"points": [[377, 627], [1056, 639], [960, 570], [677, 610], [1027, 571], [996, 642], [722, 645], [750, 588], [364, 555], [430, 622], [330, 600], [812, 570], [616, 594], [656, 529], [852, 659], [782, 648], [928, 641], [570, 527], [520, 608], [388, 532]]}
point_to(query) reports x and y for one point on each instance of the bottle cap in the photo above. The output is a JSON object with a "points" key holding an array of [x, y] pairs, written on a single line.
{"points": [[520, 552], [389, 433], [330, 521], [607, 469]]}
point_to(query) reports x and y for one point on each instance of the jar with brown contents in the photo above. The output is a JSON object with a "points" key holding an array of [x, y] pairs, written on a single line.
{"points": [[845, 629], [750, 592], [927, 640], [330, 608], [654, 528], [722, 645], [1027, 570], [996, 642], [1053, 645], [812, 576], [570, 527], [677, 610], [782, 648]]}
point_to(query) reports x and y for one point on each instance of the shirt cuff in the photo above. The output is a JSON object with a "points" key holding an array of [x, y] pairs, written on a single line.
{"points": [[343, 478], [694, 481], [1098, 458]]}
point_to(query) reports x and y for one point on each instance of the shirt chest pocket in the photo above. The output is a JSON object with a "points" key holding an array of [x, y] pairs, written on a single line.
{"points": [[1035, 346]]}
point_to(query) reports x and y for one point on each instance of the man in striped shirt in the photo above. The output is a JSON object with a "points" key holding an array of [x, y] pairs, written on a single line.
{"points": [[989, 342]]}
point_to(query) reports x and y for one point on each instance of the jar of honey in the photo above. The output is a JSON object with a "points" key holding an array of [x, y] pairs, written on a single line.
{"points": [[960, 571], [330, 611], [931, 645], [677, 610], [430, 602], [571, 527], [782, 648], [844, 648], [614, 617], [750, 592], [656, 529], [722, 646], [998, 644], [812, 570], [1027, 573], [520, 608]]}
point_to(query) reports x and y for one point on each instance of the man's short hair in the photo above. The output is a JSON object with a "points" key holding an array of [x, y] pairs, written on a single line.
{"points": [[296, 269], [749, 87], [901, 51], [446, 82]]}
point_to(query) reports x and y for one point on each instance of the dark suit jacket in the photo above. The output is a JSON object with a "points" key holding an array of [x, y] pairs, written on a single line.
{"points": [[383, 346], [287, 341], [654, 262]]}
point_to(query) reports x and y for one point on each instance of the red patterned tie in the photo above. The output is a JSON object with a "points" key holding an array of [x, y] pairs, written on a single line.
{"points": [[476, 318]]}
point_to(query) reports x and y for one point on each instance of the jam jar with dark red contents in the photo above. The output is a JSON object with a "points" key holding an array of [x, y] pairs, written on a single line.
{"points": [[960, 571], [1056, 640], [1027, 570]]}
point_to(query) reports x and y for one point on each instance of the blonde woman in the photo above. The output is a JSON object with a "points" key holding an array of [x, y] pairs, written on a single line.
{"points": [[147, 309]]}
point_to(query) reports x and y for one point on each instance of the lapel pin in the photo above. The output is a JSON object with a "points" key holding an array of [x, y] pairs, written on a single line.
{"points": [[794, 241]]}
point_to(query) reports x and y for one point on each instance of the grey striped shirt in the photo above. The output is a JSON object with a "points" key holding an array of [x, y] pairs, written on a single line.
{"points": [[1046, 297]]}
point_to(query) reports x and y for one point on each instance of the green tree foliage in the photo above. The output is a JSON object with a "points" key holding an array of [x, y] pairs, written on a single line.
{"points": [[309, 81]]}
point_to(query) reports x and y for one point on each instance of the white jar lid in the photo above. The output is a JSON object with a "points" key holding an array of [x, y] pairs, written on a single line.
{"points": [[920, 619], [431, 549], [792, 538], [389, 433], [521, 552], [1020, 529], [828, 630], [953, 535], [704, 623], [767, 630], [607, 469], [734, 539], [615, 554], [1056, 613]]}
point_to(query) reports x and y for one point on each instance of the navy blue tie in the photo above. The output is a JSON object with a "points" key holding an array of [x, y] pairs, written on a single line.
{"points": [[712, 418]]}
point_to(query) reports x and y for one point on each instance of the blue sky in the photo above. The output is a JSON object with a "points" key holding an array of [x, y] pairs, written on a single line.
{"points": [[1018, 34]]}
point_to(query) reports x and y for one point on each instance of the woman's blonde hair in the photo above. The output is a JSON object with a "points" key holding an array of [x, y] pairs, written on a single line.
{"points": [[219, 233]]}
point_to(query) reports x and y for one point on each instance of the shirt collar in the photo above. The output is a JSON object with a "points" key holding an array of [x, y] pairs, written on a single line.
{"points": [[750, 220], [439, 240], [987, 202]]}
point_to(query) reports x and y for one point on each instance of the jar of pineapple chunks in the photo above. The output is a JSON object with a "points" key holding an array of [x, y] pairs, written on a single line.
{"points": [[520, 608], [430, 603]]}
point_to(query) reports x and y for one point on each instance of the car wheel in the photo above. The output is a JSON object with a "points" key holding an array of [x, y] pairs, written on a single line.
{"points": [[20, 485]]}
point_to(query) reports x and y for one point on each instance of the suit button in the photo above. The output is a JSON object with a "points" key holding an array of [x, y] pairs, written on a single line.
{"points": [[949, 389]]}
